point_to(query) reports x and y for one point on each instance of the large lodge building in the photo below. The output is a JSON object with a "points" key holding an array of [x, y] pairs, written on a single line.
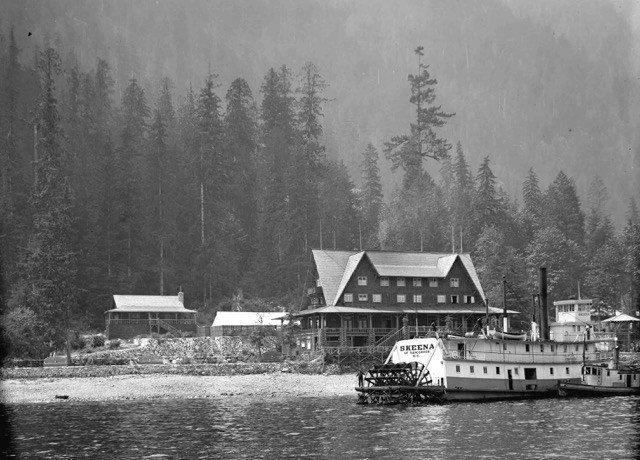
{"points": [[368, 298]]}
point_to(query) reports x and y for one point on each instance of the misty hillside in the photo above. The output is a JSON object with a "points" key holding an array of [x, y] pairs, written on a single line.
{"points": [[551, 85]]}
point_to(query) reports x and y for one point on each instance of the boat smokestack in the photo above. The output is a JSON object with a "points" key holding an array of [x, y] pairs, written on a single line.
{"points": [[544, 312], [505, 318]]}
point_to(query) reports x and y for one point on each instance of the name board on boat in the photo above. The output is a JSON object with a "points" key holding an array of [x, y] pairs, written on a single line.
{"points": [[414, 350]]}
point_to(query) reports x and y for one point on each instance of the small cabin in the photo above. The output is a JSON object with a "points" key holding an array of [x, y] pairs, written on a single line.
{"points": [[144, 315]]}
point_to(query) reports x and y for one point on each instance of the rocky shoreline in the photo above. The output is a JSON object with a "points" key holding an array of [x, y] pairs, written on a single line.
{"points": [[146, 386]]}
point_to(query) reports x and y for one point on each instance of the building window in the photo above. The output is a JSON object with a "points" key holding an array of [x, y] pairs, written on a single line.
{"points": [[485, 370], [442, 299], [362, 280], [417, 282], [515, 371], [497, 371], [526, 348], [455, 282], [433, 282], [567, 371], [384, 281], [457, 368], [401, 298], [541, 348], [454, 299], [471, 369], [417, 298], [469, 299], [377, 298], [363, 297], [348, 298], [551, 370], [400, 282]]}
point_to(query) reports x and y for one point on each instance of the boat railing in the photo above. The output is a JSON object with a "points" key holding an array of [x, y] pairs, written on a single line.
{"points": [[532, 357]]}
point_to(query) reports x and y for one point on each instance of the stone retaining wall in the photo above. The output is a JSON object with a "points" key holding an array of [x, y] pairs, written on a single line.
{"points": [[184, 369]]}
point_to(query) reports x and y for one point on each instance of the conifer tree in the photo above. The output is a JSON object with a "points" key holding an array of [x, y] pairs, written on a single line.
{"points": [[158, 179], [371, 199], [278, 137], [50, 265], [532, 197], [599, 228], [210, 173], [462, 200], [241, 144], [408, 150], [13, 185], [487, 205], [562, 208], [129, 161]]}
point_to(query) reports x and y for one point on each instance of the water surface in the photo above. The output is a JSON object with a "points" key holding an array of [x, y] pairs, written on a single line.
{"points": [[325, 428]]}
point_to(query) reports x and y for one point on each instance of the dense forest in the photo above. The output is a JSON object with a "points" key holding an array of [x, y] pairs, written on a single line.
{"points": [[222, 190]]}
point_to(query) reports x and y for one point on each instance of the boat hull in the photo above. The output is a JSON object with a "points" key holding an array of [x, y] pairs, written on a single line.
{"points": [[582, 389]]}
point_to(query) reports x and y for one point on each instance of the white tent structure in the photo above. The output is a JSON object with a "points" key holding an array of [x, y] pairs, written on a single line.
{"points": [[622, 324]]}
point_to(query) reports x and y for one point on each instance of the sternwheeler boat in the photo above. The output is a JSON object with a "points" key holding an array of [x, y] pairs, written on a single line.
{"points": [[491, 366], [441, 369]]}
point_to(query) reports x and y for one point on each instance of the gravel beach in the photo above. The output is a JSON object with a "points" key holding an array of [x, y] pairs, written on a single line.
{"points": [[161, 386]]}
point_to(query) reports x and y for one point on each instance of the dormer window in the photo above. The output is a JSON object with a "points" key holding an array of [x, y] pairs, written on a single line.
{"points": [[362, 280]]}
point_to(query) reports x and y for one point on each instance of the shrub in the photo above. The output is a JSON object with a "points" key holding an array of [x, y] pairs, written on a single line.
{"points": [[97, 340], [113, 344]]}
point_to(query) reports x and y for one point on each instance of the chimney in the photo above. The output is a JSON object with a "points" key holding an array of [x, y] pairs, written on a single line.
{"points": [[181, 296], [544, 313]]}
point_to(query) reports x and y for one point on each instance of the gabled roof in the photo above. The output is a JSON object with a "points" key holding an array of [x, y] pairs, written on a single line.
{"points": [[620, 318], [335, 268], [149, 303], [247, 318]]}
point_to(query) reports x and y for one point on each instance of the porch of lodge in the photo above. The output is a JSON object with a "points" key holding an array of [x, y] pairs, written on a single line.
{"points": [[368, 334]]}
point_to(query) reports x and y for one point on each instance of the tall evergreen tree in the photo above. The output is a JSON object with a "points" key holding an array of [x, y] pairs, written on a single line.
{"points": [[562, 208], [241, 144], [408, 150], [462, 200], [304, 164], [487, 204], [159, 177], [129, 164], [211, 171], [599, 228], [13, 184], [532, 196], [278, 138], [50, 267], [371, 199]]}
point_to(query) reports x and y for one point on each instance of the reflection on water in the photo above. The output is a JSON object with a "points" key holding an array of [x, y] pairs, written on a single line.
{"points": [[326, 428]]}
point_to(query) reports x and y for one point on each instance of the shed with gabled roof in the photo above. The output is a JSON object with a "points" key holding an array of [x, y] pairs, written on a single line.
{"points": [[136, 315]]}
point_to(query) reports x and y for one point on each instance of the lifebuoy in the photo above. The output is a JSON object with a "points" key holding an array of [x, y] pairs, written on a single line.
{"points": [[454, 354]]}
